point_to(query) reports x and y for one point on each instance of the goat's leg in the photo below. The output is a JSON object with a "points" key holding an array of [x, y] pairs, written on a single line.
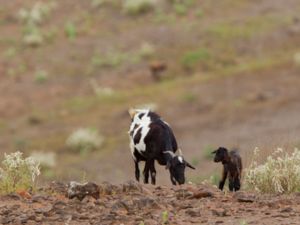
{"points": [[237, 184], [173, 179], [137, 170], [152, 172], [146, 172], [231, 184], [222, 181]]}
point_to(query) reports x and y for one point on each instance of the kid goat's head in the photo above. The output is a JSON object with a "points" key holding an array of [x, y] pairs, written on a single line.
{"points": [[221, 155], [176, 165]]}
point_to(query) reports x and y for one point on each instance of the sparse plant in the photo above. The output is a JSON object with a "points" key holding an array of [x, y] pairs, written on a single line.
{"points": [[36, 14], [280, 173], [165, 217], [33, 36], [97, 3], [41, 76], [45, 159], [70, 30], [180, 9], [192, 58], [147, 50], [18, 173], [189, 97], [199, 13], [135, 7], [243, 222], [297, 59], [101, 91], [84, 139]]}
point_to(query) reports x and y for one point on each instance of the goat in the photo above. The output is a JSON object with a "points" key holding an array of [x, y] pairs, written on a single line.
{"points": [[232, 166], [152, 139]]}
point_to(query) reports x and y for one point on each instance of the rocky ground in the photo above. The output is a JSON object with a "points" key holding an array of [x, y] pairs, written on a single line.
{"points": [[133, 203]]}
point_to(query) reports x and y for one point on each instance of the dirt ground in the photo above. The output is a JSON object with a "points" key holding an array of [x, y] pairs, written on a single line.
{"points": [[131, 203]]}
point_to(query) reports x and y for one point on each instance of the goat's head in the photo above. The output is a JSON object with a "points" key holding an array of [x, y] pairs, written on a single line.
{"points": [[176, 166], [221, 154]]}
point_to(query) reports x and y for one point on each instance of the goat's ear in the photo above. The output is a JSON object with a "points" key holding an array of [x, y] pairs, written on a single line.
{"points": [[214, 152], [189, 165], [132, 112]]}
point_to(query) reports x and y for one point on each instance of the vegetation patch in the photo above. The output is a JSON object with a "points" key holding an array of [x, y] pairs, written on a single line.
{"points": [[18, 173], [84, 139], [279, 174], [192, 58], [136, 7]]}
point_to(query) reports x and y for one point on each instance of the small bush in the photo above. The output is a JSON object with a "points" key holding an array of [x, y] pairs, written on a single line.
{"points": [[36, 14], [135, 7], [41, 76], [18, 173], [84, 139], [146, 50], [180, 9], [45, 159], [279, 174], [70, 30], [297, 59]]}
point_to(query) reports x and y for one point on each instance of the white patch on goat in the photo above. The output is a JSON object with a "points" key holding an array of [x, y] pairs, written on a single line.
{"points": [[143, 124], [180, 159]]}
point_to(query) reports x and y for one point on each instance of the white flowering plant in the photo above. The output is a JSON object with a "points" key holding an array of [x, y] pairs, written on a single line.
{"points": [[18, 173], [279, 174], [84, 139]]}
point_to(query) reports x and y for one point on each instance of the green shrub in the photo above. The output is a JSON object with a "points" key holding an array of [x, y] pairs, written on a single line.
{"points": [[192, 58], [279, 174], [135, 7], [165, 217], [41, 76], [18, 173], [70, 30], [180, 9]]}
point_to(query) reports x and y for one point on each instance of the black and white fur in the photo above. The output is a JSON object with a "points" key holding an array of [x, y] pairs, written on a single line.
{"points": [[152, 139]]}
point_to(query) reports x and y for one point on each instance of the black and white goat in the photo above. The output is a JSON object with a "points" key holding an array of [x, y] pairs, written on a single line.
{"points": [[152, 139], [232, 167]]}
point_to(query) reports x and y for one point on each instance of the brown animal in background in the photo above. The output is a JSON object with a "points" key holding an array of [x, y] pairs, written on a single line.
{"points": [[232, 166], [156, 69]]}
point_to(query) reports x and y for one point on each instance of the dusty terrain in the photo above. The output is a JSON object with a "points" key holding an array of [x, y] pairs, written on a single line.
{"points": [[131, 203]]}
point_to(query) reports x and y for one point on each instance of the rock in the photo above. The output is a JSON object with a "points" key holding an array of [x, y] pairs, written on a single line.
{"points": [[6, 220], [146, 202], [287, 210], [202, 194], [244, 197], [193, 212], [220, 212], [79, 191], [132, 186], [38, 198]]}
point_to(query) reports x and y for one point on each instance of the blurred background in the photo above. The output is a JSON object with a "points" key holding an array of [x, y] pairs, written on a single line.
{"points": [[222, 73]]}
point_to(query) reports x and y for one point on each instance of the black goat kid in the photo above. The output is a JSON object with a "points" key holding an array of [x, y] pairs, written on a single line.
{"points": [[232, 167]]}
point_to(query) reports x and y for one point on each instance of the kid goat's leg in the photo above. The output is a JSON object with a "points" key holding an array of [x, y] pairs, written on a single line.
{"points": [[222, 181]]}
